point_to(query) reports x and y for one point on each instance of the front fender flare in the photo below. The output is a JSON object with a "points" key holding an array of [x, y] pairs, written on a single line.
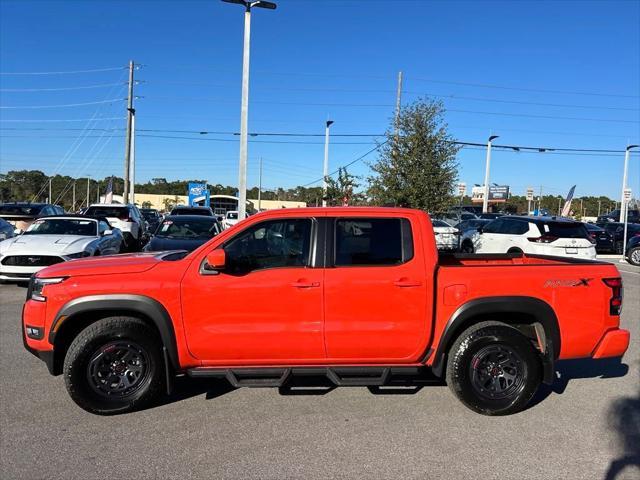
{"points": [[148, 307]]}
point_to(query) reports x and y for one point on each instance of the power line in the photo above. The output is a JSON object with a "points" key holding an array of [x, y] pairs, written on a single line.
{"points": [[551, 117], [62, 106], [59, 89], [67, 72], [59, 120]]}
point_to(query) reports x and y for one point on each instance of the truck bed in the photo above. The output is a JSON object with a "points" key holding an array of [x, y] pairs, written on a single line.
{"points": [[507, 259]]}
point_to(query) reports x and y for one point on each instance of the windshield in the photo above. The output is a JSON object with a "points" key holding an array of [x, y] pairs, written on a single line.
{"points": [[20, 209], [112, 212], [63, 226], [439, 223], [188, 228]]}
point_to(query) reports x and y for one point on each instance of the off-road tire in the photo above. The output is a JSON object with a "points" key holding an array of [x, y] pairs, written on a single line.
{"points": [[464, 379], [98, 343]]}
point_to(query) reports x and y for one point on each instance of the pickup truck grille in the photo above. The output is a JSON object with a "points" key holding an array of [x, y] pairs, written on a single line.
{"points": [[31, 260]]}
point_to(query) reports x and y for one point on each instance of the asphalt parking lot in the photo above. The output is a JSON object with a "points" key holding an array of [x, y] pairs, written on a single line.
{"points": [[586, 427]]}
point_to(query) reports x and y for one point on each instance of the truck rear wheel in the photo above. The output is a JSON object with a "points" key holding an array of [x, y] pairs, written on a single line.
{"points": [[114, 366], [493, 369]]}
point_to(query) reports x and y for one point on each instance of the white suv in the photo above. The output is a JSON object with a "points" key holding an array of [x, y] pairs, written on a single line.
{"points": [[535, 235], [125, 217]]}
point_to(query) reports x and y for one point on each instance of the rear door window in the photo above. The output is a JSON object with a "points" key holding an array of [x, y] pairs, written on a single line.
{"points": [[493, 227], [515, 227], [372, 241]]}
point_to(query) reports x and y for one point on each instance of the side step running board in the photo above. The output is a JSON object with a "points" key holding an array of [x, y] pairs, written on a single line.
{"points": [[278, 377]]}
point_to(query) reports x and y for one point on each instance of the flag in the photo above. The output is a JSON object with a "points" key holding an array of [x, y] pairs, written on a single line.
{"points": [[108, 194], [567, 202]]}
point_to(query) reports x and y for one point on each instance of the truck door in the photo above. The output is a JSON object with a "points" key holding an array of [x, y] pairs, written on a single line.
{"points": [[265, 306], [377, 295]]}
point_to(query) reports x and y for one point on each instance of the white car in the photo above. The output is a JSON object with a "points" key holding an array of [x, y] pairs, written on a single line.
{"points": [[127, 218], [230, 219], [535, 235], [446, 235], [51, 240]]}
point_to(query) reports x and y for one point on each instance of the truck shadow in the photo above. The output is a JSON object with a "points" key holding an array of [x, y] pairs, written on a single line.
{"points": [[623, 418]]}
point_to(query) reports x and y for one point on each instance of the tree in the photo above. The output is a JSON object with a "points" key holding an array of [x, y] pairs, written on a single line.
{"points": [[417, 167], [341, 190]]}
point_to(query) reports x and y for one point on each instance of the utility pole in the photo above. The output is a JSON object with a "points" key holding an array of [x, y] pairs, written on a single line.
{"points": [[244, 106], [50, 197], [540, 202], [485, 200], [133, 156], [559, 206], [97, 192], [599, 201], [88, 179], [260, 186], [73, 207], [398, 103], [127, 148], [325, 170], [581, 209], [623, 204]]}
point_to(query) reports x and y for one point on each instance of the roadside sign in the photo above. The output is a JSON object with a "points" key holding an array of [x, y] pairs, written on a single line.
{"points": [[529, 194], [462, 189], [627, 194]]}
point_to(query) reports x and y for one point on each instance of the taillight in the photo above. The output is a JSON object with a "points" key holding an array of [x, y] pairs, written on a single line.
{"points": [[615, 303], [543, 239]]}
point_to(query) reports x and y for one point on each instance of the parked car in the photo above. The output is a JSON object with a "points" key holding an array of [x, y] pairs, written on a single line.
{"points": [[468, 230], [616, 229], [183, 232], [152, 216], [230, 219], [446, 235], [6, 230], [614, 216], [50, 240], [535, 235], [21, 215], [184, 210], [127, 218], [633, 250], [277, 297], [604, 240]]}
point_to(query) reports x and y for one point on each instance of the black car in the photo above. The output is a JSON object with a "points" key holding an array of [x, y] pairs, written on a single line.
{"points": [[616, 229], [183, 232], [152, 216], [181, 210], [6, 230], [604, 240], [22, 214], [633, 250], [614, 216]]}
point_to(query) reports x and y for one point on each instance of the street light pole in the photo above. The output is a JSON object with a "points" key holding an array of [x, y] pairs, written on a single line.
{"points": [[485, 200], [623, 205], [325, 170], [244, 106], [88, 179]]}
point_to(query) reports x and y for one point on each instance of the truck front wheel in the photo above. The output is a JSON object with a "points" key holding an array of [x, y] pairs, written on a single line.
{"points": [[493, 369], [114, 366]]}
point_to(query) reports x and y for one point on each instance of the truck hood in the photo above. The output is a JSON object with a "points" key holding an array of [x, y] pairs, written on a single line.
{"points": [[45, 244], [109, 265]]}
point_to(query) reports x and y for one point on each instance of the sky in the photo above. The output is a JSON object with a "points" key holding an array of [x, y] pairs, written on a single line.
{"points": [[539, 74]]}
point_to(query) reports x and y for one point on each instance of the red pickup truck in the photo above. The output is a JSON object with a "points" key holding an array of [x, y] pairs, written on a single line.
{"points": [[358, 295]]}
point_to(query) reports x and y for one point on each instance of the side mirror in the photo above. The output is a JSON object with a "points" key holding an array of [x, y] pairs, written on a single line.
{"points": [[216, 259], [107, 232]]}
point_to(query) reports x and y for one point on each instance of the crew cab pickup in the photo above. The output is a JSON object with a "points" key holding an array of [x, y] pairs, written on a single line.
{"points": [[358, 295]]}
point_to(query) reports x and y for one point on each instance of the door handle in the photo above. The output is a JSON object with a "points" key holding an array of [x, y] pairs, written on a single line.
{"points": [[305, 284], [405, 282]]}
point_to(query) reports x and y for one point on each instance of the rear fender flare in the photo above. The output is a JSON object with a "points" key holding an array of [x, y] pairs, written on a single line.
{"points": [[482, 309]]}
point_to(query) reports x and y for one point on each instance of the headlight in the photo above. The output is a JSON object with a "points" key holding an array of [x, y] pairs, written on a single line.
{"points": [[78, 255], [37, 286]]}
